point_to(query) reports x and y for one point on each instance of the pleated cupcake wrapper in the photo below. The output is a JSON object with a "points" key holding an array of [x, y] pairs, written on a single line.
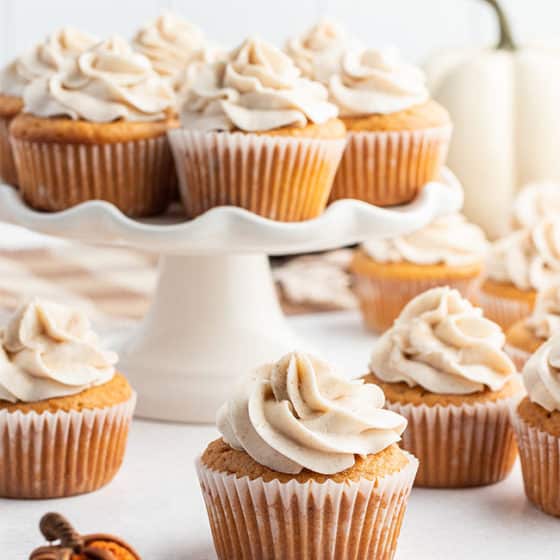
{"points": [[459, 446], [8, 173], [382, 299], [503, 311], [258, 520], [518, 356], [390, 167], [49, 455], [285, 179], [540, 463], [136, 176]]}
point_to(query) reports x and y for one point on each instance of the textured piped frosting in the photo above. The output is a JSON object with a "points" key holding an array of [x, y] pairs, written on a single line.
{"points": [[541, 375], [374, 81], [318, 52], [529, 259], [298, 414], [536, 202], [545, 319], [449, 240], [49, 350], [258, 88], [107, 83], [54, 54], [442, 343]]}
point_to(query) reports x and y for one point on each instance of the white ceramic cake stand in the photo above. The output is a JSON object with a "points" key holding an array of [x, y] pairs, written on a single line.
{"points": [[215, 314]]}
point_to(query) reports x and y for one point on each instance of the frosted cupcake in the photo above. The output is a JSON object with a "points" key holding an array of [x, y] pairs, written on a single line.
{"points": [[55, 53], [397, 136], [388, 273], [442, 366], [535, 202], [97, 131], [537, 427], [527, 335], [64, 410], [257, 135], [307, 462], [318, 52], [518, 266]]}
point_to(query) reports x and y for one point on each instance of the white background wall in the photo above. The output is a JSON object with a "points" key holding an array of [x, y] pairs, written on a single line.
{"points": [[417, 26]]}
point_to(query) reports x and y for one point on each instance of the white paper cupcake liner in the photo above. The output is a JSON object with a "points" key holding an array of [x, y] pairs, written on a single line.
{"points": [[8, 173], [390, 167], [519, 357], [48, 455], [540, 463], [257, 520], [503, 311], [278, 177], [459, 446], [136, 176]]}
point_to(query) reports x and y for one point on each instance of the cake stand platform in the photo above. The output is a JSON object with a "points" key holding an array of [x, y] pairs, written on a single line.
{"points": [[215, 313]]}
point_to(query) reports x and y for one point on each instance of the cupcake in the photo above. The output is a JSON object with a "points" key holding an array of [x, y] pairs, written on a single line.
{"points": [[388, 273], [54, 54], [172, 44], [64, 410], [518, 266], [537, 427], [256, 135], [307, 467], [442, 366], [535, 202], [318, 52], [527, 335], [397, 136], [97, 131]]}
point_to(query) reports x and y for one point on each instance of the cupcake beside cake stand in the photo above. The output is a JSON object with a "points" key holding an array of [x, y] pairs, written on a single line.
{"points": [[215, 313]]}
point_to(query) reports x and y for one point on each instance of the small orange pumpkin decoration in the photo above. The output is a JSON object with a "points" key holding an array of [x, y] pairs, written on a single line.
{"points": [[73, 546]]}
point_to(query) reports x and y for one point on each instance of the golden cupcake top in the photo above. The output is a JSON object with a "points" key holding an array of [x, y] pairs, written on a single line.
{"points": [[49, 350], [108, 82], [441, 342], [54, 54], [299, 414], [376, 81], [449, 240], [257, 88]]}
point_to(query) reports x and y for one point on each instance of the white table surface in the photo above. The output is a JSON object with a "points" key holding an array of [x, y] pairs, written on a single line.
{"points": [[155, 501]]}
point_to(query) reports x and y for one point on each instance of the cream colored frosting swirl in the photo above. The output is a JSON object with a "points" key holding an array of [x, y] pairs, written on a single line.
{"points": [[49, 350], [544, 321], [107, 83], [443, 344], [449, 240], [529, 259], [374, 81], [318, 53], [298, 414], [541, 375], [257, 88], [53, 55], [535, 202]]}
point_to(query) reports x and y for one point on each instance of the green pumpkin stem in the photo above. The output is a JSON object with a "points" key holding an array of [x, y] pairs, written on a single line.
{"points": [[506, 41]]}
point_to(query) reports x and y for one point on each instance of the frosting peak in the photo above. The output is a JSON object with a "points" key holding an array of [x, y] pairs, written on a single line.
{"points": [[444, 344], [49, 350], [298, 414], [535, 202], [544, 321], [541, 375], [257, 88], [106, 83], [374, 81], [54, 54]]}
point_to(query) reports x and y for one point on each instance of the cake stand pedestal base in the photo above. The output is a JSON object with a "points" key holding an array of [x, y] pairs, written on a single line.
{"points": [[213, 318]]}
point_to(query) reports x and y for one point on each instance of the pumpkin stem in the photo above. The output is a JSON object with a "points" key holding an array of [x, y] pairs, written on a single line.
{"points": [[56, 527], [506, 41]]}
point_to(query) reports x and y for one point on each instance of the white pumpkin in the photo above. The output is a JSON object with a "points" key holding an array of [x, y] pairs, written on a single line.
{"points": [[505, 105]]}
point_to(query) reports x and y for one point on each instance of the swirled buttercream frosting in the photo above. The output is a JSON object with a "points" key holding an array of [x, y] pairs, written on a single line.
{"points": [[107, 83], [298, 414], [544, 321], [258, 88], [535, 202], [49, 350], [441, 342]]}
